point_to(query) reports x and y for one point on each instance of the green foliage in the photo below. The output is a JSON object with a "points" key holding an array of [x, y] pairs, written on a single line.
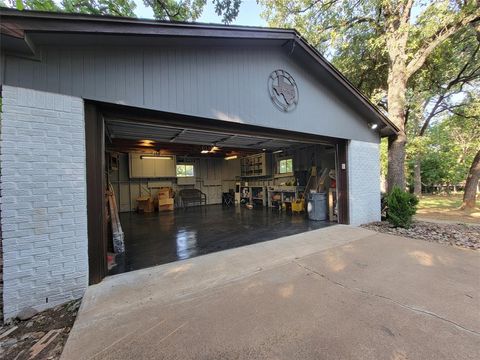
{"points": [[401, 206], [228, 8], [96, 7], [182, 10], [175, 10], [40, 5], [191, 10], [101, 7], [444, 82], [384, 157], [448, 147]]}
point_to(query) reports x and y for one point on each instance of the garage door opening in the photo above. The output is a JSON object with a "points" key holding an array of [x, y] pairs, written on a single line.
{"points": [[175, 187], [183, 192]]}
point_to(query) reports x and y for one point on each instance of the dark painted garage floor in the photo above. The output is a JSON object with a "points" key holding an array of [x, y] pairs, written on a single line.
{"points": [[158, 238]]}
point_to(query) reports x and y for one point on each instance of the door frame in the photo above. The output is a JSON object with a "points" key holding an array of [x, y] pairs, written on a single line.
{"points": [[96, 213], [342, 182]]}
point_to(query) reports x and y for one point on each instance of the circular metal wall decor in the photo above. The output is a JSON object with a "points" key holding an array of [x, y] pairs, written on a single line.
{"points": [[283, 90]]}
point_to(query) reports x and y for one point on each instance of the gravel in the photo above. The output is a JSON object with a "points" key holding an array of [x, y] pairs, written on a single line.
{"points": [[462, 235]]}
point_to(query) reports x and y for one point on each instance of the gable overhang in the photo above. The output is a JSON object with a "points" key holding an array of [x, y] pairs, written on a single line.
{"points": [[20, 30]]}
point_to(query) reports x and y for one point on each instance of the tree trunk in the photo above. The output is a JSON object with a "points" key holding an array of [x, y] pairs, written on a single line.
{"points": [[417, 176], [396, 162], [397, 87], [396, 41], [470, 194]]}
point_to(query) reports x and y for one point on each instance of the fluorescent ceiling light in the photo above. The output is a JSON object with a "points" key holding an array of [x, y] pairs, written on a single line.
{"points": [[232, 157], [277, 152], [155, 157], [204, 151], [373, 126]]}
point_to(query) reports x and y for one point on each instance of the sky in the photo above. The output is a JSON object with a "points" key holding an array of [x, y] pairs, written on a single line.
{"points": [[249, 13]]}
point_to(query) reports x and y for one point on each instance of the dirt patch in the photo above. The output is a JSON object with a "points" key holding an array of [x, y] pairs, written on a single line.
{"points": [[41, 337], [462, 235]]}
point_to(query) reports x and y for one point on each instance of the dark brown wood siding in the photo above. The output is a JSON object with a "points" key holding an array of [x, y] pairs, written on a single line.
{"points": [[342, 183], [97, 239]]}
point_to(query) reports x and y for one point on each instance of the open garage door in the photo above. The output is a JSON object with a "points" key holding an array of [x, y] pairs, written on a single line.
{"points": [[184, 187]]}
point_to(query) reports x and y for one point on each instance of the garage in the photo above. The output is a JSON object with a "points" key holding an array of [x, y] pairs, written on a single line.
{"points": [[129, 143], [182, 192]]}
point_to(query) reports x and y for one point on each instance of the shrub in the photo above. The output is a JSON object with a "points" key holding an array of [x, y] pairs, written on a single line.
{"points": [[401, 206]]}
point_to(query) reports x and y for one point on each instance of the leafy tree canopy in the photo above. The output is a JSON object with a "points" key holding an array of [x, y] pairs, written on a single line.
{"points": [[174, 10], [449, 145], [100, 7], [442, 86], [40, 5], [95, 7], [191, 10]]}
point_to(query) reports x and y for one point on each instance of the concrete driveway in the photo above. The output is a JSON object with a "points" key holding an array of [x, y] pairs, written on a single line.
{"points": [[335, 293]]}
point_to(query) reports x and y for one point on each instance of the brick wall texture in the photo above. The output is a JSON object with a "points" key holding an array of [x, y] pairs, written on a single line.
{"points": [[43, 199], [364, 182]]}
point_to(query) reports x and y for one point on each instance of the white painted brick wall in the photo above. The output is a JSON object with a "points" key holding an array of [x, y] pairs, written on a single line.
{"points": [[43, 199], [363, 182]]}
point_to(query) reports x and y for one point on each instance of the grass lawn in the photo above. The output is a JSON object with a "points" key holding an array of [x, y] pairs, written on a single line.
{"points": [[445, 208]]}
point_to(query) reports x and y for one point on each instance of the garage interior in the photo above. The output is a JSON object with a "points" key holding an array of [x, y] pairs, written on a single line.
{"points": [[176, 192]]}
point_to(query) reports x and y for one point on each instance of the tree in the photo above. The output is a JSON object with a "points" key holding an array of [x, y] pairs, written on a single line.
{"points": [[41, 5], [405, 41], [449, 146], [173, 10], [96, 7], [176, 10], [441, 87], [470, 194], [190, 10], [100, 7]]}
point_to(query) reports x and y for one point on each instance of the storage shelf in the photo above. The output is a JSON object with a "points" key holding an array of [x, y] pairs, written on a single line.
{"points": [[257, 165]]}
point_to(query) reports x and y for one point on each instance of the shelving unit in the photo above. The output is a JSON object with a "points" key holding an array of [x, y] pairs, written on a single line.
{"points": [[284, 194], [258, 195], [245, 194], [256, 165], [255, 195]]}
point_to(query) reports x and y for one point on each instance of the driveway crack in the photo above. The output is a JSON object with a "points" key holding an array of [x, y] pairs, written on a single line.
{"points": [[408, 307]]}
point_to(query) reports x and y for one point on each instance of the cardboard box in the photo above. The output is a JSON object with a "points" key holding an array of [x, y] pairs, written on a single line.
{"points": [[164, 193], [165, 200], [162, 202], [145, 204], [169, 207]]}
